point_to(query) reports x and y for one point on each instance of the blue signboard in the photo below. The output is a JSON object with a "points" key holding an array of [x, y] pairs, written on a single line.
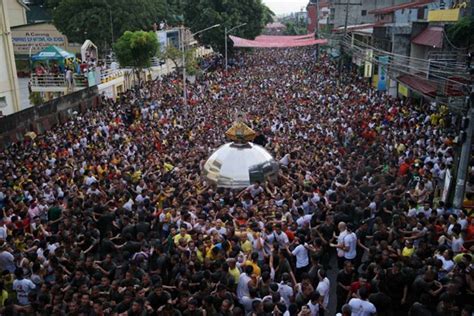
{"points": [[382, 84]]}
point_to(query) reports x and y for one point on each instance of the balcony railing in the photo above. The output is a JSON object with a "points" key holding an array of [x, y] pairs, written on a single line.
{"points": [[109, 74], [55, 82]]}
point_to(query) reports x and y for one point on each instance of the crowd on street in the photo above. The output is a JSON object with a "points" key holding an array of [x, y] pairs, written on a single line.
{"points": [[108, 214]]}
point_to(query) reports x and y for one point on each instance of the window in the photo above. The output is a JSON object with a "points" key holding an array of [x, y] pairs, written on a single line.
{"points": [[3, 102], [363, 13]]}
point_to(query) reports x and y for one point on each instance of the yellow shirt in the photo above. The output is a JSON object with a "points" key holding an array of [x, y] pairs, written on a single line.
{"points": [[199, 256], [458, 258], [246, 246], [178, 237], [407, 252], [136, 176], [256, 268], [3, 298], [235, 273]]}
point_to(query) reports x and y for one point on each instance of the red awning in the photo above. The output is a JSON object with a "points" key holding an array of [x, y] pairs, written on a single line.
{"points": [[407, 5], [418, 84], [431, 36], [269, 41]]}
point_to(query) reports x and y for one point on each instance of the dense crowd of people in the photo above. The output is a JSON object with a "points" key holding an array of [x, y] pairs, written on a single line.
{"points": [[108, 214]]}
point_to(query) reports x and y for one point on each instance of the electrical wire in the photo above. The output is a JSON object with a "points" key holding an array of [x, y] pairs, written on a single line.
{"points": [[361, 53]]}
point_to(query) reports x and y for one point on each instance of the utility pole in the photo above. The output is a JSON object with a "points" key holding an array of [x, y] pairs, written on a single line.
{"points": [[317, 28], [185, 92], [227, 32], [225, 44], [346, 19], [465, 155]]}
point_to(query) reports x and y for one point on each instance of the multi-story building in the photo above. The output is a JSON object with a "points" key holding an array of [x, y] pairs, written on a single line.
{"points": [[316, 18], [356, 11], [411, 37], [17, 12], [9, 95]]}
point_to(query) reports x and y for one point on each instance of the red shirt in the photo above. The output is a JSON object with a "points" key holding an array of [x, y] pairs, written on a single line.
{"points": [[470, 232], [355, 286], [290, 234], [403, 170]]}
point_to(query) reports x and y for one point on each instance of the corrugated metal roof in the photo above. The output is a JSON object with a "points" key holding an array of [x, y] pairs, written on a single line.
{"points": [[408, 5], [431, 36], [420, 85]]}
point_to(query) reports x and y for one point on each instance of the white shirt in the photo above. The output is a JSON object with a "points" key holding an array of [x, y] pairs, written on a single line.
{"points": [[361, 308], [281, 239], [302, 220], [456, 244], [254, 191], [463, 222], [242, 286], [247, 303], [350, 242], [128, 206], [286, 292], [301, 253], [314, 308], [22, 289], [323, 290], [3, 232], [448, 265], [340, 241]]}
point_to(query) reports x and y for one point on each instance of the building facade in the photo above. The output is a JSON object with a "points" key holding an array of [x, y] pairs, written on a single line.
{"points": [[358, 11], [9, 90], [315, 17], [16, 12]]}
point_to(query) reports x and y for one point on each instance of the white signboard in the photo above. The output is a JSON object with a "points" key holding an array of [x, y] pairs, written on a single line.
{"points": [[25, 41]]}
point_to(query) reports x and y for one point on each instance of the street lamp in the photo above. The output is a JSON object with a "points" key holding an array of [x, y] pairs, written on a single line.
{"points": [[185, 93], [225, 37]]}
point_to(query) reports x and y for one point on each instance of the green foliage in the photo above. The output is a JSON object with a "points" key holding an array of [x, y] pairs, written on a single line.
{"points": [[93, 19], [176, 56], [267, 15], [200, 14], [135, 49], [293, 28], [462, 33], [36, 98]]}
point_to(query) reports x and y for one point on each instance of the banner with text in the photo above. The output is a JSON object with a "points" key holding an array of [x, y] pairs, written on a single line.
{"points": [[382, 84]]}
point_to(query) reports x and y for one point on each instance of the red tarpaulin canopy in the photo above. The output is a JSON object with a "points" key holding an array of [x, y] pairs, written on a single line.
{"points": [[270, 41]]}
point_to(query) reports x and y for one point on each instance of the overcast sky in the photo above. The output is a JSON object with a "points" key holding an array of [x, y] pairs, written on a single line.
{"points": [[285, 6]]}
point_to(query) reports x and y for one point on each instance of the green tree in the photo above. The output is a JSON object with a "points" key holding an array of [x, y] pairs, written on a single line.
{"points": [[267, 15], [36, 98], [293, 28], [135, 50], [176, 56], [462, 33], [200, 14], [101, 20]]}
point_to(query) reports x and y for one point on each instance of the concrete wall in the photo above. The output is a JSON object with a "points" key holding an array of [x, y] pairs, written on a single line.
{"points": [[43, 117], [8, 79], [355, 10], [406, 16], [16, 12]]}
